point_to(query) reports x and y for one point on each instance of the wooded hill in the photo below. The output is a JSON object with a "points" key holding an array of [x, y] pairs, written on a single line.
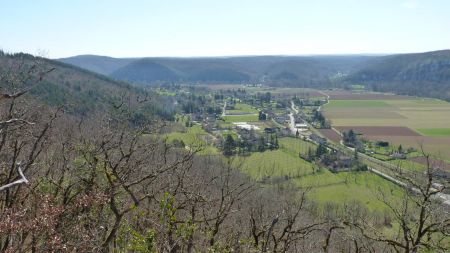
{"points": [[422, 74], [288, 70], [80, 91]]}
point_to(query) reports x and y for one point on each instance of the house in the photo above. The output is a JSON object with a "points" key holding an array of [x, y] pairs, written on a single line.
{"points": [[398, 155], [281, 119], [245, 125], [301, 126]]}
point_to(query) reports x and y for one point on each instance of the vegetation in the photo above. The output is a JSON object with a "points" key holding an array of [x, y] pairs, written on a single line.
{"points": [[434, 131], [119, 179], [241, 118]]}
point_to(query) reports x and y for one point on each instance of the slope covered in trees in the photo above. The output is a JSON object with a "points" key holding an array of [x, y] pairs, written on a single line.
{"points": [[81, 92], [275, 70], [422, 74]]}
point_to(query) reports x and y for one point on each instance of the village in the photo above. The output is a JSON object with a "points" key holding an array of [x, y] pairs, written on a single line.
{"points": [[240, 123]]}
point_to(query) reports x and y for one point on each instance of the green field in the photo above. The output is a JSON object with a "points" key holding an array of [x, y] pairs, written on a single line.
{"points": [[270, 164], [294, 146], [242, 108], [356, 104], [408, 165], [195, 138], [344, 187], [434, 131], [241, 118], [363, 187]]}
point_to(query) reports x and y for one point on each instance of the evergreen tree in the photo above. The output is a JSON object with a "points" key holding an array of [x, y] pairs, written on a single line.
{"points": [[400, 149], [262, 144], [321, 150], [229, 145]]}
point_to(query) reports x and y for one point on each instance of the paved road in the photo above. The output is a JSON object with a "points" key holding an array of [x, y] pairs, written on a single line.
{"points": [[291, 116], [224, 109], [292, 123]]}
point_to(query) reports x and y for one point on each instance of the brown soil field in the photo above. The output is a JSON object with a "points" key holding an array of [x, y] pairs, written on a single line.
{"points": [[380, 130], [345, 95], [331, 134], [362, 113]]}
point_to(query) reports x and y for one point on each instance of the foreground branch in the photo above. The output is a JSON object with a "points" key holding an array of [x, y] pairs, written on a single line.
{"points": [[22, 180]]}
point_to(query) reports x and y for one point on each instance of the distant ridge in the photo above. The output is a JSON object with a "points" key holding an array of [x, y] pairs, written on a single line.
{"points": [[104, 65], [421, 74]]}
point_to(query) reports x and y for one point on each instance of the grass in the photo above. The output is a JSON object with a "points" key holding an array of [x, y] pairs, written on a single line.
{"points": [[276, 163], [240, 118], [194, 137], [363, 187], [408, 165], [242, 108], [321, 178], [356, 104], [434, 132], [165, 92], [222, 124], [294, 146], [358, 87], [325, 186]]}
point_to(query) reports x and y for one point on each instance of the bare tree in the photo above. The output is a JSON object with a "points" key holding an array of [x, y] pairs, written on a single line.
{"points": [[422, 217]]}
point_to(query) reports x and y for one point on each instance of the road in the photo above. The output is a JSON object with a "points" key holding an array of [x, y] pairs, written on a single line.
{"points": [[224, 109], [292, 123], [328, 100]]}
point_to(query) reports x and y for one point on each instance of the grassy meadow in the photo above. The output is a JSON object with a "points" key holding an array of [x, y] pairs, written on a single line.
{"points": [[325, 186], [241, 108], [241, 118]]}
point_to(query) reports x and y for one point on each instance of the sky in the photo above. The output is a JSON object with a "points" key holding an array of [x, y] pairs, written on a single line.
{"points": [[133, 28]]}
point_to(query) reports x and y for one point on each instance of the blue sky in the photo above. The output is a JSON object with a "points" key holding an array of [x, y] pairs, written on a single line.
{"points": [[223, 27]]}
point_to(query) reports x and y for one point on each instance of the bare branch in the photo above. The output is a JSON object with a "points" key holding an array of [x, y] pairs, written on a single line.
{"points": [[22, 180]]}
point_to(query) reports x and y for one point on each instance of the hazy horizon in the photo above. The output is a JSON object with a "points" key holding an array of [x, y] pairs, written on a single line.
{"points": [[243, 55], [199, 28]]}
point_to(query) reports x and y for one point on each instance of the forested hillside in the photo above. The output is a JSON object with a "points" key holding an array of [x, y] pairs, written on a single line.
{"points": [[80, 91], [273, 70], [424, 74]]}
